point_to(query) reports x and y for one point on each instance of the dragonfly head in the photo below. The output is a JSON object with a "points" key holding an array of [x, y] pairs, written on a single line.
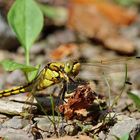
{"points": [[72, 68]]}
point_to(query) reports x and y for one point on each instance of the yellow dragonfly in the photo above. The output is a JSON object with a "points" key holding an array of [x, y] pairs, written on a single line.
{"points": [[53, 73], [64, 72]]}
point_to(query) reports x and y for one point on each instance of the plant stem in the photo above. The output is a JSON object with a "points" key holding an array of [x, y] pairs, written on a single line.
{"points": [[27, 57], [27, 62]]}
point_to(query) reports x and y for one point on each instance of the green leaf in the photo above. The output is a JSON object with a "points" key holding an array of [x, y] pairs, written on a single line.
{"points": [[10, 65], [125, 137], [26, 19], [125, 2], [135, 99], [138, 136], [32, 75], [55, 13]]}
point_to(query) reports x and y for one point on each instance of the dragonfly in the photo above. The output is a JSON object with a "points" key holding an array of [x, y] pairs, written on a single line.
{"points": [[52, 73], [64, 72]]}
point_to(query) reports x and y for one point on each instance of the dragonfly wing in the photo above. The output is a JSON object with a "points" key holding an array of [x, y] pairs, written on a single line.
{"points": [[116, 72], [115, 65]]}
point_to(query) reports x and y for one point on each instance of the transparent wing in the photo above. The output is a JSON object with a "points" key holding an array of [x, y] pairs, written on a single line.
{"points": [[116, 72]]}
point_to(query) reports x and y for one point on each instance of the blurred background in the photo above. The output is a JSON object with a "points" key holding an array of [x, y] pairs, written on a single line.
{"points": [[83, 30], [108, 26]]}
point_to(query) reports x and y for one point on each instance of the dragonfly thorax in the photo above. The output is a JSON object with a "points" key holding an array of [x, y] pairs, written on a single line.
{"points": [[56, 72]]}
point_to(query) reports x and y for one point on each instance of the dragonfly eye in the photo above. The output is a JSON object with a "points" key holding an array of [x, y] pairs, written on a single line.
{"points": [[76, 68], [68, 67]]}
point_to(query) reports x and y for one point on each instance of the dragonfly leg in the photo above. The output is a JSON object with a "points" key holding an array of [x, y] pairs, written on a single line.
{"points": [[65, 88], [62, 92], [71, 80]]}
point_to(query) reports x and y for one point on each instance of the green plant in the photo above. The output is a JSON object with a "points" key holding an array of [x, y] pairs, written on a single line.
{"points": [[56, 13], [135, 98], [125, 2], [26, 20], [124, 137], [115, 101]]}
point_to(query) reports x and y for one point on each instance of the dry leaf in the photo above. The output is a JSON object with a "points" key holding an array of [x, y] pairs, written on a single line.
{"points": [[83, 105], [63, 51], [101, 20], [113, 12]]}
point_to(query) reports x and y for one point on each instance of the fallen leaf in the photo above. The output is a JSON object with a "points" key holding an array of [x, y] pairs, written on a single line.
{"points": [[83, 105], [63, 51], [116, 14], [102, 20]]}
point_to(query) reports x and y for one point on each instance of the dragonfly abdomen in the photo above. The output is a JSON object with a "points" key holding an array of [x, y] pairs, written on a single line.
{"points": [[16, 90]]}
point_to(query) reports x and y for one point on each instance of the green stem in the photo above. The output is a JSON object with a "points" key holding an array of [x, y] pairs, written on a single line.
{"points": [[27, 62], [27, 57]]}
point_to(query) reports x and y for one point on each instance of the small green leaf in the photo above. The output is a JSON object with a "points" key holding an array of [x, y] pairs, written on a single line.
{"points": [[125, 2], [55, 13], [26, 19], [135, 99], [138, 136], [10, 65], [32, 75], [125, 137]]}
